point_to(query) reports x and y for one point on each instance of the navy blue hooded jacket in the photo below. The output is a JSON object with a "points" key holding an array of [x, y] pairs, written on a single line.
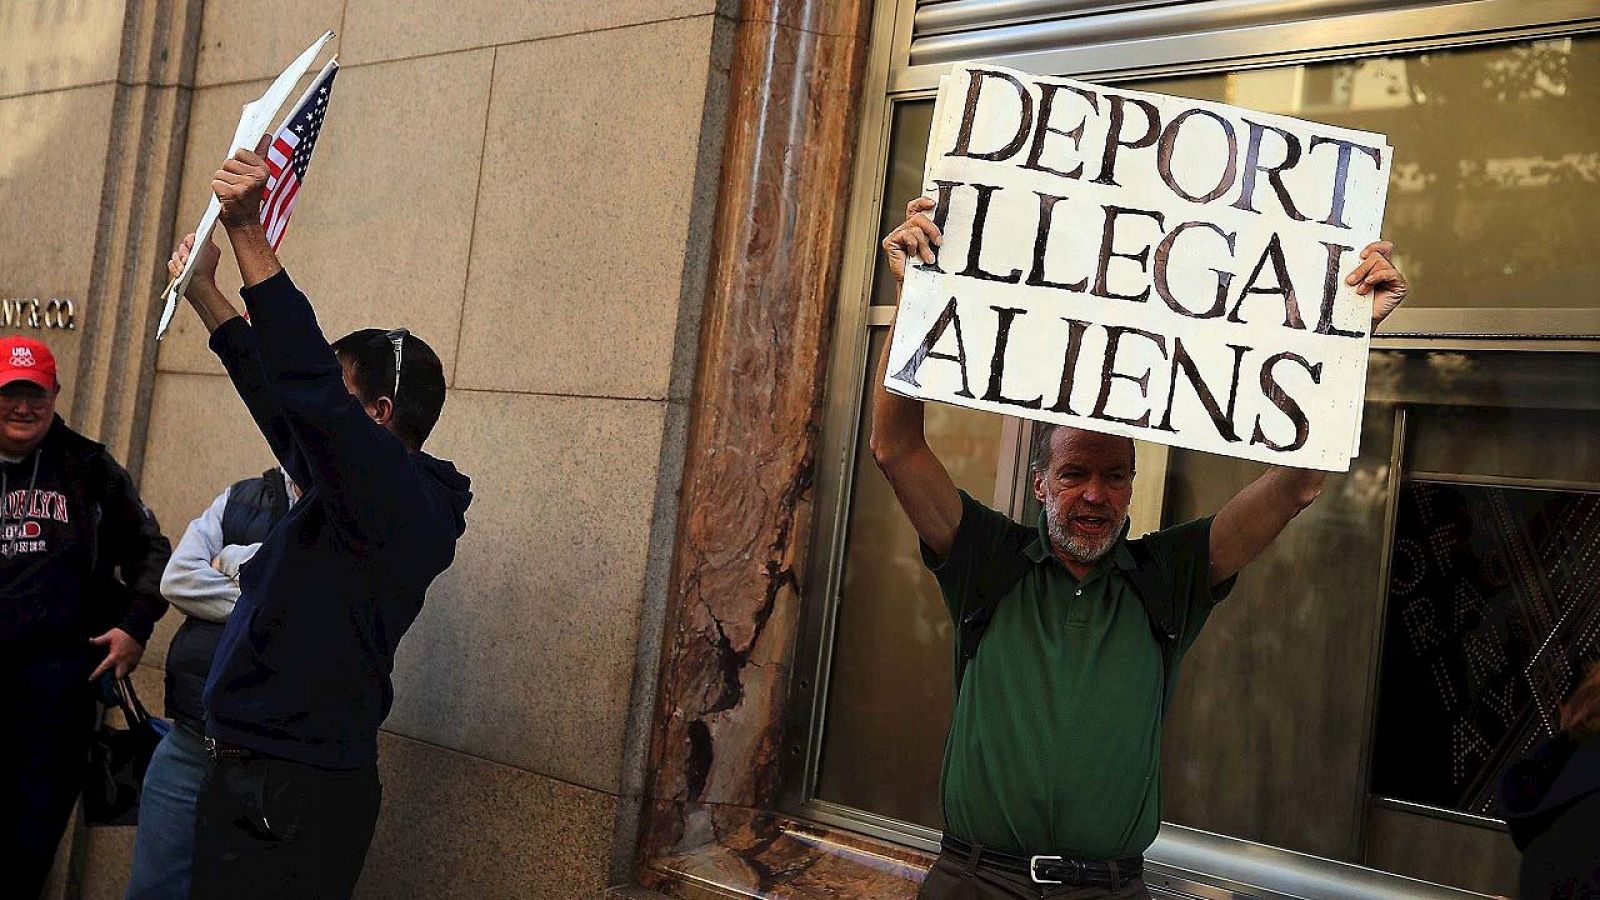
{"points": [[1551, 801], [303, 668]]}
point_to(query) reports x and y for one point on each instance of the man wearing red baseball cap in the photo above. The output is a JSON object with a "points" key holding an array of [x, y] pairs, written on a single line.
{"points": [[80, 590], [25, 359]]}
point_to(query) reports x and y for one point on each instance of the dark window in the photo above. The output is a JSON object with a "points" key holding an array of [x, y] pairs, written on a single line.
{"points": [[1494, 604]]}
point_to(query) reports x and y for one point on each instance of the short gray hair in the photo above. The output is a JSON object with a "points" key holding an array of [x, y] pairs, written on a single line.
{"points": [[1039, 451]]}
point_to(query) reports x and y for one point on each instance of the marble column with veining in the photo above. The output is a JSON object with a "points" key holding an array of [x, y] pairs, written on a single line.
{"points": [[735, 592]]}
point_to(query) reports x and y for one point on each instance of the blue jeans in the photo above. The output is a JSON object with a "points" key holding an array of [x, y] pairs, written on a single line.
{"points": [[163, 848]]}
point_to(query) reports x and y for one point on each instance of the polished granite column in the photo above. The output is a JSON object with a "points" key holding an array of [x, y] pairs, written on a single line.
{"points": [[735, 594], [134, 234]]}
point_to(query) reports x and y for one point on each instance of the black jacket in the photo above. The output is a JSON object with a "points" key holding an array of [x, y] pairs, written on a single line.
{"points": [[253, 507], [79, 551], [1551, 801], [303, 668]]}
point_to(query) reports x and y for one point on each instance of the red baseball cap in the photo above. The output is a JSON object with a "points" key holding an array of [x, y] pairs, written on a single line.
{"points": [[25, 359]]}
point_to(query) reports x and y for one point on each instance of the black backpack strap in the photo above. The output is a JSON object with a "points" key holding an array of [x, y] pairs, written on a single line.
{"points": [[1008, 566], [1154, 593], [277, 492], [1000, 574]]}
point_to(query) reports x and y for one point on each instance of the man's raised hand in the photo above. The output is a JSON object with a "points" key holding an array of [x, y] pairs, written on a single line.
{"points": [[1376, 274], [204, 279], [240, 183], [917, 234], [202, 292]]}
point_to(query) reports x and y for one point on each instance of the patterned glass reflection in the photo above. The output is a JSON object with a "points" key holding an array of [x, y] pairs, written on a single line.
{"points": [[1494, 606]]}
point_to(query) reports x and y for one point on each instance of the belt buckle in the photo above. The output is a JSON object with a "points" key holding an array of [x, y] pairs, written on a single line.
{"points": [[211, 746], [1033, 869]]}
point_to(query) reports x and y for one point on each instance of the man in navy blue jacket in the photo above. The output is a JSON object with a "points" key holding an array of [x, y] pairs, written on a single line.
{"points": [[301, 680]]}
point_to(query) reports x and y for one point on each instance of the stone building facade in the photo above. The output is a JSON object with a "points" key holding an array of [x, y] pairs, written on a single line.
{"points": [[687, 645]]}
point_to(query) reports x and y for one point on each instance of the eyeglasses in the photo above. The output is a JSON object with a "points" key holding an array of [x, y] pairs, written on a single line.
{"points": [[36, 400], [397, 337]]}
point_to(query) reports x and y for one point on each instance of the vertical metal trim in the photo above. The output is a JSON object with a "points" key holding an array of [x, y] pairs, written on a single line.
{"points": [[905, 27], [1150, 491], [1011, 481], [848, 371], [1364, 800]]}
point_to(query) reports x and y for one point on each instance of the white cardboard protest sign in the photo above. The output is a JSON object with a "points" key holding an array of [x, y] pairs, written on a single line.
{"points": [[254, 120], [1167, 269]]}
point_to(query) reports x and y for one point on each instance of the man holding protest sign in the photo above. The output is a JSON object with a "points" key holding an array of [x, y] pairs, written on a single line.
{"points": [[301, 678], [1051, 772], [1117, 265]]}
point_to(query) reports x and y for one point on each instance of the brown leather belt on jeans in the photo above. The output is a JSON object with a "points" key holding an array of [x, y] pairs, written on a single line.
{"points": [[1045, 869]]}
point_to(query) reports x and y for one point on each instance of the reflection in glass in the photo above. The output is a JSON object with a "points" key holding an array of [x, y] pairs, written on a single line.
{"points": [[908, 150], [1264, 733], [1267, 736], [1494, 606], [889, 698], [1495, 189]]}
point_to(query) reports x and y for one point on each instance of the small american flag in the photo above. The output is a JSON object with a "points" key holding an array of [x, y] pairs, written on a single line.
{"points": [[290, 154]]}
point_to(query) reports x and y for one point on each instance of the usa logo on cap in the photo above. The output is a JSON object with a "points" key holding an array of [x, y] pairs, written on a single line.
{"points": [[25, 359]]}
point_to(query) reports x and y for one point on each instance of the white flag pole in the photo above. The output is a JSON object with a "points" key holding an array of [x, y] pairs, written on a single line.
{"points": [[254, 120]]}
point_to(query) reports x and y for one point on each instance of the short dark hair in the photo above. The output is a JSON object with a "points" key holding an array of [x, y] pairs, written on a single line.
{"points": [[1039, 451], [370, 353]]}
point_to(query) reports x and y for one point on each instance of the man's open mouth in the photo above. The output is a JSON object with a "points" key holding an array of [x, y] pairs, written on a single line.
{"points": [[1092, 524]]}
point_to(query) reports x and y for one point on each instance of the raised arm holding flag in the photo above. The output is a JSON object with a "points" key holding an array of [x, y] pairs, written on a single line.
{"points": [[253, 121], [301, 678]]}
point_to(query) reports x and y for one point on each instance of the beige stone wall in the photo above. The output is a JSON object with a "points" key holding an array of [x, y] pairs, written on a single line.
{"points": [[528, 187], [94, 103], [58, 71]]}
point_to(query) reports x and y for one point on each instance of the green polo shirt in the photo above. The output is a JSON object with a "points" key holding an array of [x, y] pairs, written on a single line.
{"points": [[1055, 741]]}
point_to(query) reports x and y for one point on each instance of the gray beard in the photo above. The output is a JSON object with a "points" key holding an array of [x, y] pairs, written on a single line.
{"points": [[1079, 550]]}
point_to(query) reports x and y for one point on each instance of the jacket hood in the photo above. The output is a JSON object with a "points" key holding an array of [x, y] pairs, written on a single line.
{"points": [[455, 488], [1536, 790]]}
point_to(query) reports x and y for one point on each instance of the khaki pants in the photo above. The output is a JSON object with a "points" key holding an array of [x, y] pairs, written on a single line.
{"points": [[953, 878]]}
